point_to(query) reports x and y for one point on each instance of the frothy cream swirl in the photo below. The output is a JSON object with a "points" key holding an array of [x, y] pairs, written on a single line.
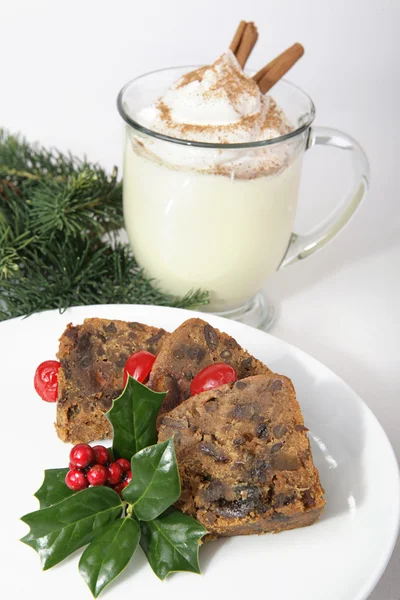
{"points": [[215, 104]]}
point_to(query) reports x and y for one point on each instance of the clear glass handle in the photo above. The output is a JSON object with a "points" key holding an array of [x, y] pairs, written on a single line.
{"points": [[301, 246]]}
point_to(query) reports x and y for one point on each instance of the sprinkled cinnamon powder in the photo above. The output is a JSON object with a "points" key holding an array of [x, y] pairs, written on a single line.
{"points": [[196, 75], [234, 83], [165, 111], [274, 119]]}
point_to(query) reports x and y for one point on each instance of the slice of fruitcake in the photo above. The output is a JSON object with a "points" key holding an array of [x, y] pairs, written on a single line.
{"points": [[189, 349], [92, 357], [244, 458]]}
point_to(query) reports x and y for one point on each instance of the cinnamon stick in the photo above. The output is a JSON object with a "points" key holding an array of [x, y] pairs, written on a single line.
{"points": [[260, 74], [244, 41], [269, 75], [237, 37]]}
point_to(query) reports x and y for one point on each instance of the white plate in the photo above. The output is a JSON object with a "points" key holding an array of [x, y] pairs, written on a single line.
{"points": [[339, 558]]}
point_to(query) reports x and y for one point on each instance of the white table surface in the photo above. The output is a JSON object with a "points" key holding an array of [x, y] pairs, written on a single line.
{"points": [[64, 62]]}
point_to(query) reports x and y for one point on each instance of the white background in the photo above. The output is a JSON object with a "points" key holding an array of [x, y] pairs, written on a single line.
{"points": [[62, 64]]}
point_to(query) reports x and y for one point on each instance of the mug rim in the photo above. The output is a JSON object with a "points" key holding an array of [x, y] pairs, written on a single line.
{"points": [[166, 138]]}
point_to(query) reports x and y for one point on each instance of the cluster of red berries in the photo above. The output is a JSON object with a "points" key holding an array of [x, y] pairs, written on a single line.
{"points": [[93, 466]]}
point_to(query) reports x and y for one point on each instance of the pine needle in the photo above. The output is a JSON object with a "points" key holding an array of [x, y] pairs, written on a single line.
{"points": [[59, 220]]}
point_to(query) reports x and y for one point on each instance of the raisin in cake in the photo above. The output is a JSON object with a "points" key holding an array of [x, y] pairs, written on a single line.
{"points": [[244, 458], [191, 347], [92, 357]]}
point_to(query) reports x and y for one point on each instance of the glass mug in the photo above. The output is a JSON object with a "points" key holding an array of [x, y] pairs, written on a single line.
{"points": [[193, 227]]}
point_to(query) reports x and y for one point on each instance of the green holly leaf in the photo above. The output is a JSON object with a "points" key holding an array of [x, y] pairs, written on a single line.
{"points": [[59, 530], [171, 543], [53, 488], [155, 484], [109, 553], [133, 417]]}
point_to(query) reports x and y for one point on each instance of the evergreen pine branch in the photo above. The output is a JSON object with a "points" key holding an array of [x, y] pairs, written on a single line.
{"points": [[22, 161], [55, 212], [85, 202], [11, 249]]}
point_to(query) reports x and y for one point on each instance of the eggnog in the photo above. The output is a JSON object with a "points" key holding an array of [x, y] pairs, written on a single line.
{"points": [[196, 230], [205, 215]]}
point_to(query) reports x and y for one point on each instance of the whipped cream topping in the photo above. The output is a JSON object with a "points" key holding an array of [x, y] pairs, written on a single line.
{"points": [[215, 104]]}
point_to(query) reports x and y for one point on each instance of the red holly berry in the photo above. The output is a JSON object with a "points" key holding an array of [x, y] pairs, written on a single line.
{"points": [[212, 377], [122, 484], [124, 464], [82, 455], [139, 365], [76, 480], [115, 473], [102, 455], [119, 487], [127, 478], [97, 475], [45, 380]]}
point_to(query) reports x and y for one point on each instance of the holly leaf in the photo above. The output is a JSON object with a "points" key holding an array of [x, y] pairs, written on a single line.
{"points": [[109, 553], [171, 543], [133, 417], [155, 484], [53, 488], [58, 530]]}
